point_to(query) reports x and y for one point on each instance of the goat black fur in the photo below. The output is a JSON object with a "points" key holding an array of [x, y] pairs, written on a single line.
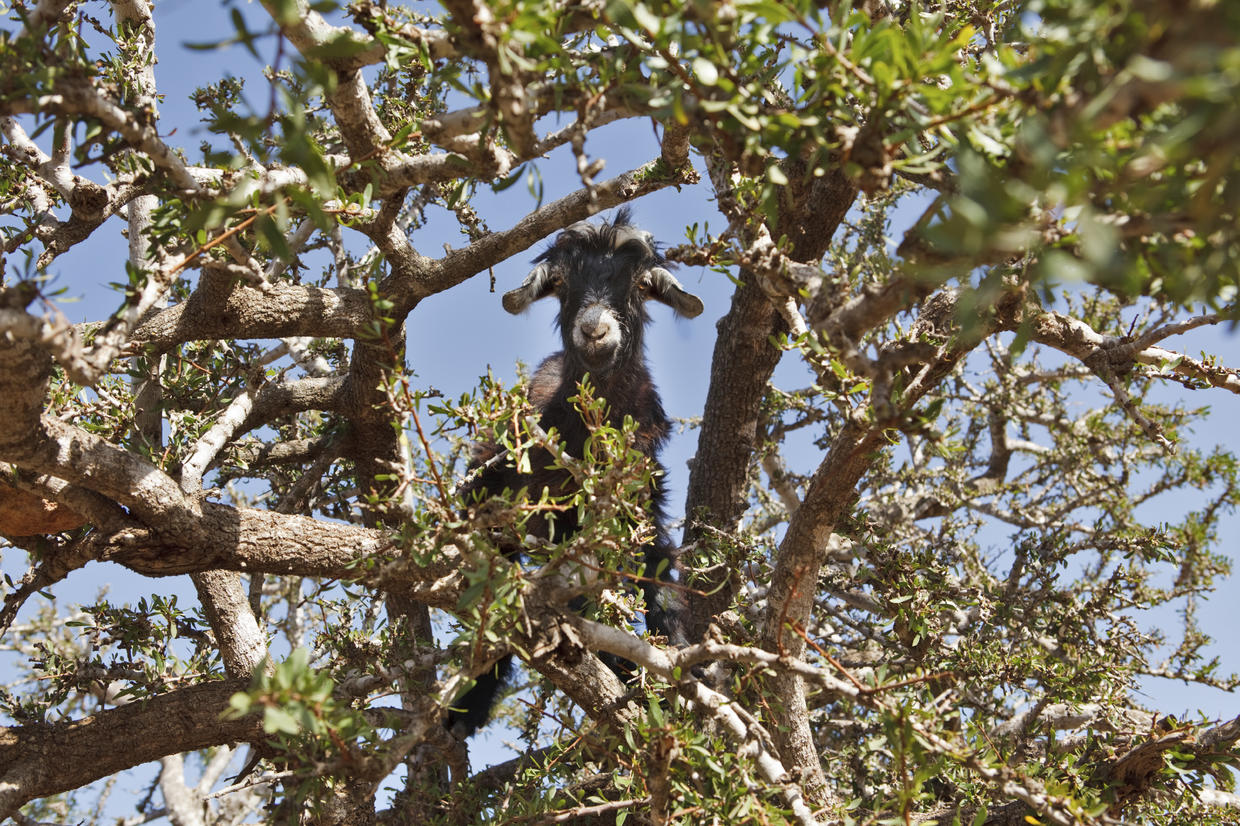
{"points": [[602, 275]]}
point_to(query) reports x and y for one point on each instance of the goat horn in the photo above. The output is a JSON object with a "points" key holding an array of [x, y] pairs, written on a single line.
{"points": [[538, 284], [666, 289]]}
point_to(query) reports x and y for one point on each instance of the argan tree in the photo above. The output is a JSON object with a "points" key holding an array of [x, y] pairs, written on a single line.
{"points": [[931, 565]]}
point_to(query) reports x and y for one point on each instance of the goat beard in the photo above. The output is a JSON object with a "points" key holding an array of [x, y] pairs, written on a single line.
{"points": [[599, 359]]}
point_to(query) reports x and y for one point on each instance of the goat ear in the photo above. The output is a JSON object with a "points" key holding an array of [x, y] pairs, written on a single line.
{"points": [[540, 283], [663, 287]]}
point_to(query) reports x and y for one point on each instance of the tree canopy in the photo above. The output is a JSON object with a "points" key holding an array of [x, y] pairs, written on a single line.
{"points": [[934, 539]]}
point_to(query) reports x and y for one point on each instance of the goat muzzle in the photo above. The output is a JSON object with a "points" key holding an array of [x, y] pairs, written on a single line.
{"points": [[596, 335]]}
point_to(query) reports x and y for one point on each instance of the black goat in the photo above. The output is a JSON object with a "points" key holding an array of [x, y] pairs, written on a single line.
{"points": [[602, 275]]}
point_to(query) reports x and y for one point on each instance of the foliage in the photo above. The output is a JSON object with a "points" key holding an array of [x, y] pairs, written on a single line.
{"points": [[929, 560]]}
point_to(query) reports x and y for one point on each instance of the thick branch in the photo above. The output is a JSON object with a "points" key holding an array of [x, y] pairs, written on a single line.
{"points": [[281, 311], [45, 759], [249, 540], [458, 265], [81, 100], [482, 33], [1076, 338]]}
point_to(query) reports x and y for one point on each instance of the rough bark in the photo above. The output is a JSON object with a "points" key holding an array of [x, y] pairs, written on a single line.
{"points": [[243, 645], [46, 759], [276, 312], [745, 356]]}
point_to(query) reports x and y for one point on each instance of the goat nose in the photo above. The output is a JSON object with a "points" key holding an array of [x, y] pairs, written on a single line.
{"points": [[594, 330]]}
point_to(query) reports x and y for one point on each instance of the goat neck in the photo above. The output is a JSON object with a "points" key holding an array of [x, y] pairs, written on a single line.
{"points": [[628, 392]]}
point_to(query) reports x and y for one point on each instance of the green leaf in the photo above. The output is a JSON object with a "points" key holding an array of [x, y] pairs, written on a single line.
{"points": [[645, 18], [285, 12], [707, 73], [243, 34], [240, 703], [270, 230], [342, 45], [278, 721]]}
